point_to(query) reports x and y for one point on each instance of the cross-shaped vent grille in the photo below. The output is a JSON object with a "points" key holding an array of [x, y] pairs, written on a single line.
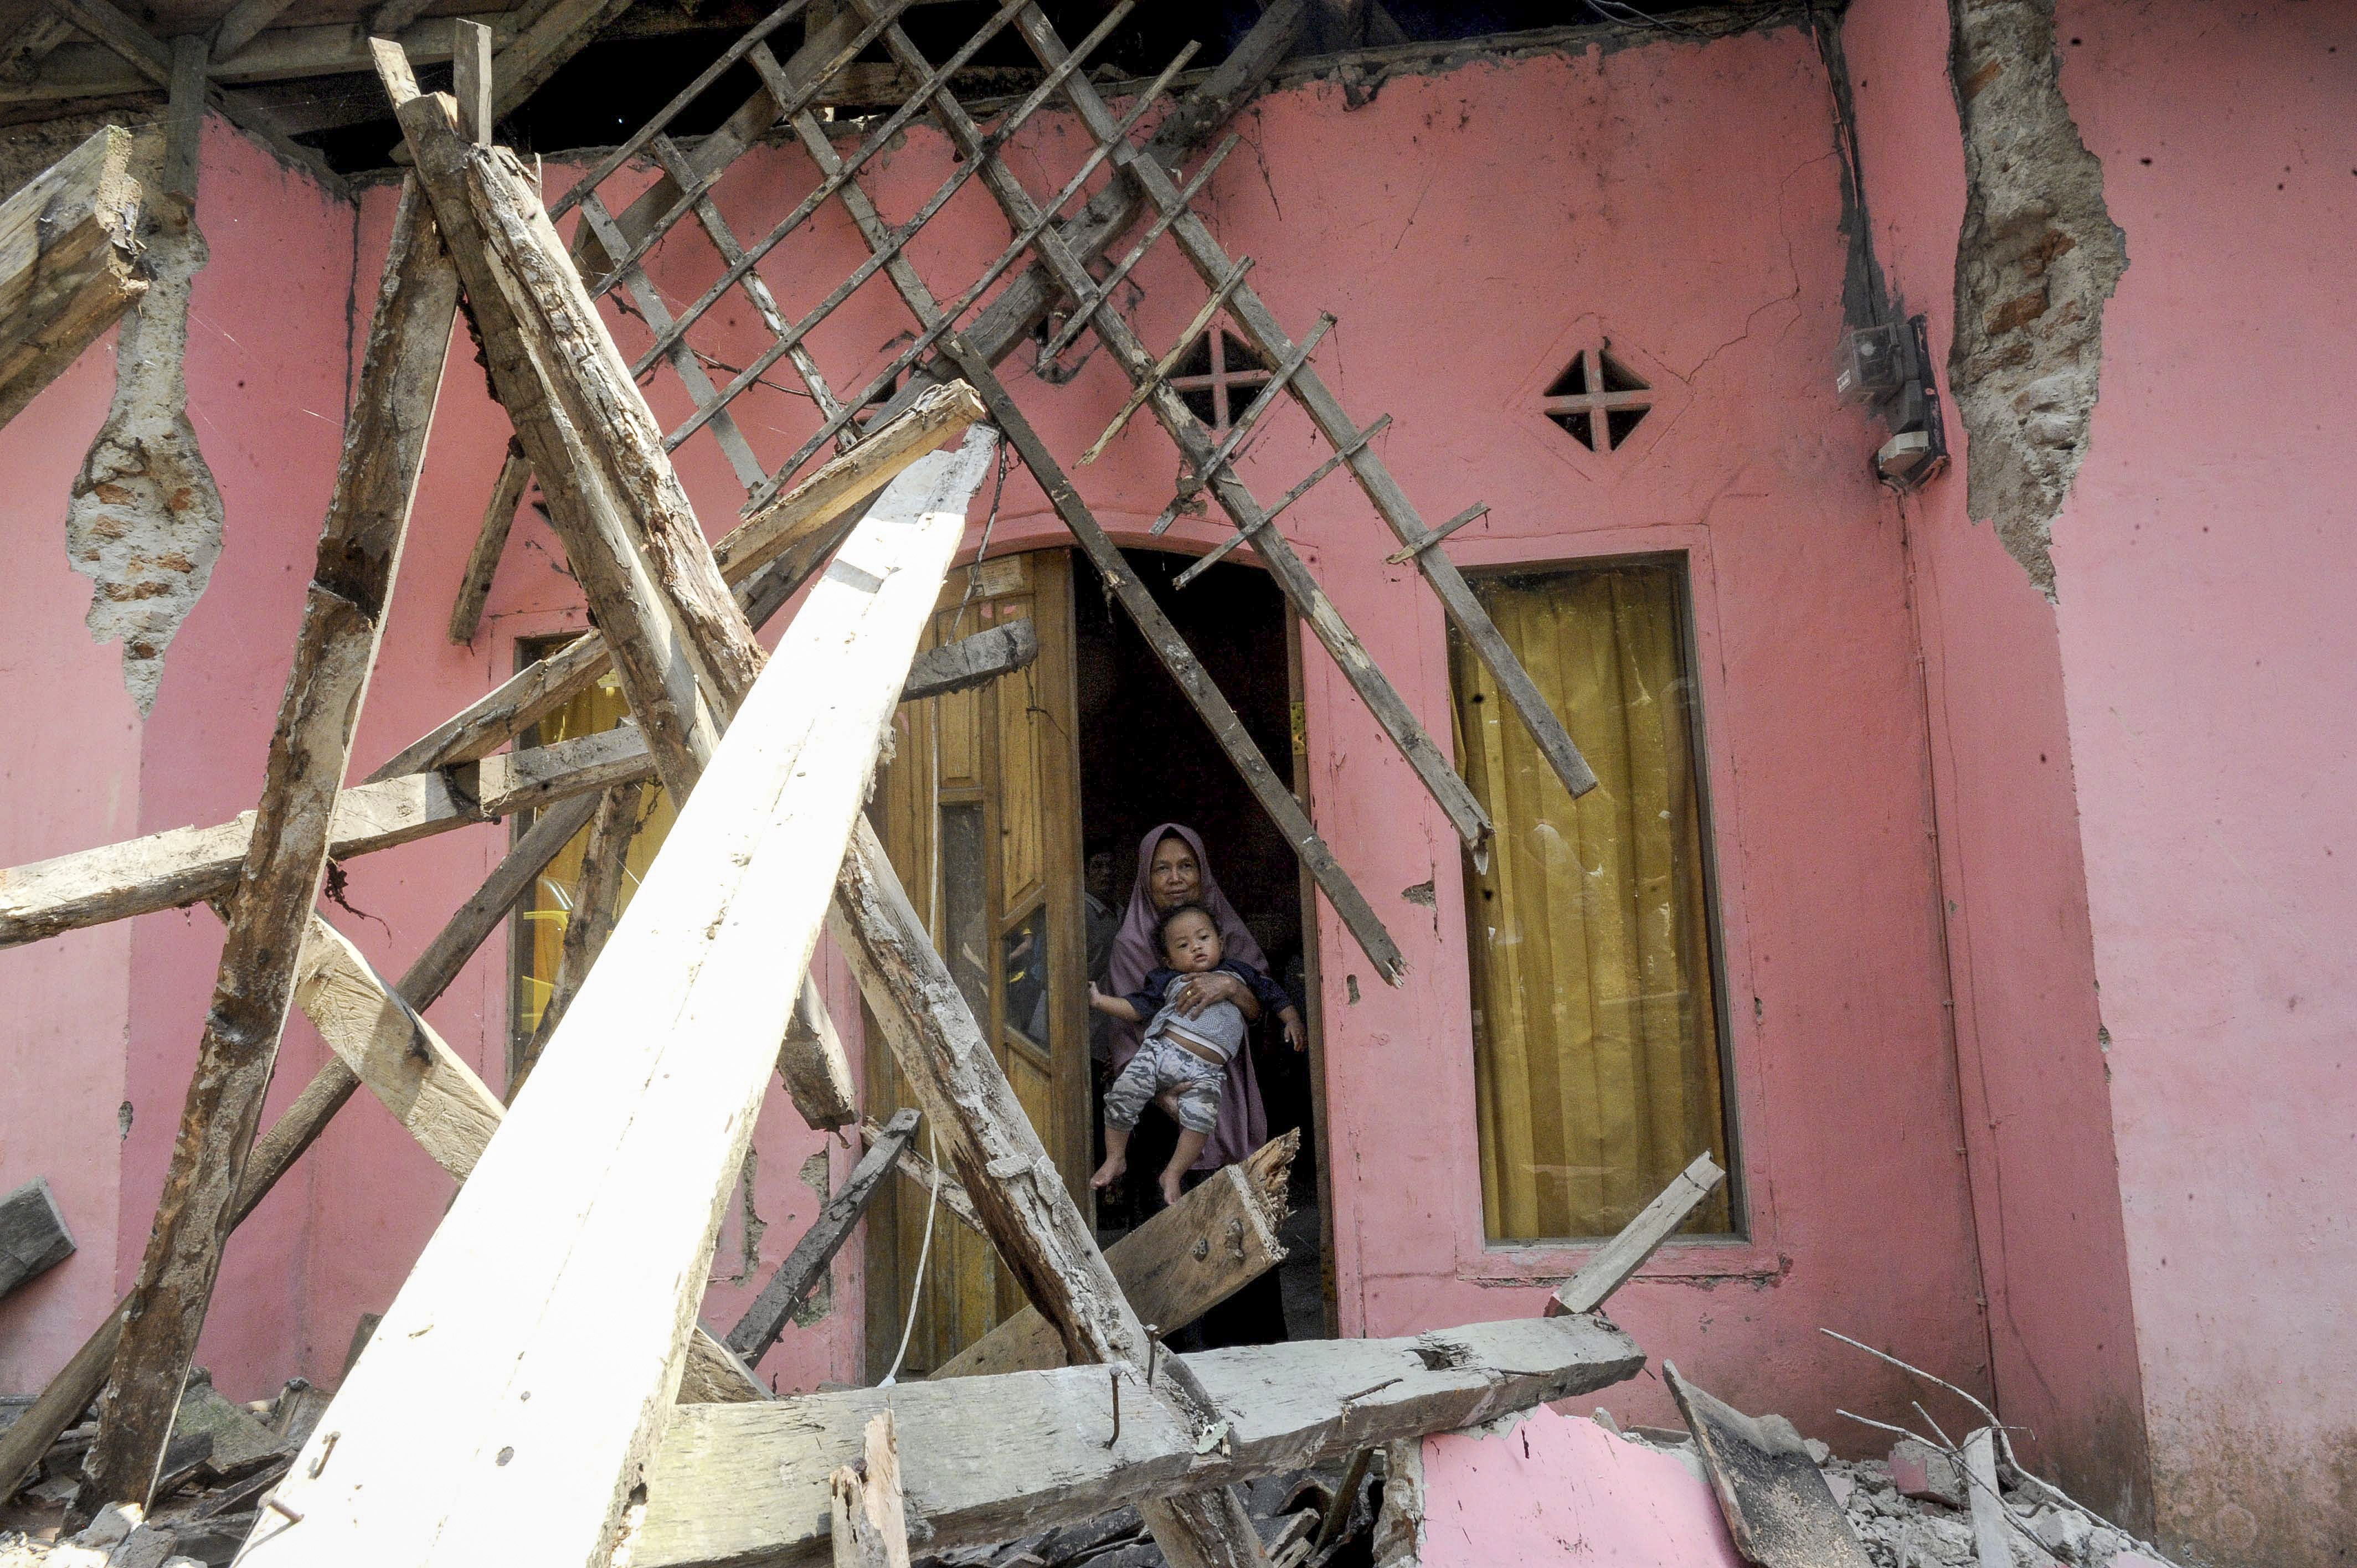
{"points": [[1598, 400]]}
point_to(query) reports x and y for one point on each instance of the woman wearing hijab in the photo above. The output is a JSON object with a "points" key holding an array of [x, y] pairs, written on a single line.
{"points": [[1173, 869]]}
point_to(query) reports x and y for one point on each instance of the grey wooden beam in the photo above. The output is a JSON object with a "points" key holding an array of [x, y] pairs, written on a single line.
{"points": [[33, 1234], [806, 1266]]}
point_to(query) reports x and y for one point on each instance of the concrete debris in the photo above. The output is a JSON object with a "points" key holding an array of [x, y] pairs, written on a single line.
{"points": [[1930, 1473]]}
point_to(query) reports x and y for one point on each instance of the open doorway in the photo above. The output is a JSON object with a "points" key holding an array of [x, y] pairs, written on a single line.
{"points": [[1145, 758]]}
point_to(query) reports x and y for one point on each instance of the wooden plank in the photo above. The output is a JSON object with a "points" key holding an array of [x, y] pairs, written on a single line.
{"points": [[1275, 798], [33, 1234], [1233, 1218], [1992, 1526], [433, 1093], [596, 904], [575, 1243], [1778, 1507], [471, 77], [799, 1273], [276, 1152], [69, 263], [183, 865], [491, 541], [1619, 1260], [748, 1483], [833, 491], [815, 1067], [970, 662], [359, 554], [1260, 324], [869, 1521]]}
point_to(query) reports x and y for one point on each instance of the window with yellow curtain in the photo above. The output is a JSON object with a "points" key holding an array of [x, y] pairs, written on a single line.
{"points": [[543, 914], [1595, 1017]]}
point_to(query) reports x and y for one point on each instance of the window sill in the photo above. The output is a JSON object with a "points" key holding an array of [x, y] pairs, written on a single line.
{"points": [[1695, 1259]]}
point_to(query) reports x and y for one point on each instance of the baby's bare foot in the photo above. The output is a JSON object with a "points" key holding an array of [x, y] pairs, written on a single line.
{"points": [[1170, 1185], [1109, 1173]]}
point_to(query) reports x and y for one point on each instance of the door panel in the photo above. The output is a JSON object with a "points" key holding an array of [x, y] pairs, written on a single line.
{"points": [[979, 811]]}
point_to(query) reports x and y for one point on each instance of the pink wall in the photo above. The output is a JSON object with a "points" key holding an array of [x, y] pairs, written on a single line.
{"points": [[70, 776], [2205, 582], [1562, 1490], [2031, 1064]]}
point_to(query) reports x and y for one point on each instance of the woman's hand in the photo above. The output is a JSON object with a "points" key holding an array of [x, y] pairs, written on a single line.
{"points": [[1201, 990], [1293, 1035]]}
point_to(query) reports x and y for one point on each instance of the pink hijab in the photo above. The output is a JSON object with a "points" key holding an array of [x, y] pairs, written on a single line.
{"points": [[1243, 1123]]}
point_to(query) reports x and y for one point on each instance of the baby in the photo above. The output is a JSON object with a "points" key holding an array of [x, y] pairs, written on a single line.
{"points": [[1185, 1056]]}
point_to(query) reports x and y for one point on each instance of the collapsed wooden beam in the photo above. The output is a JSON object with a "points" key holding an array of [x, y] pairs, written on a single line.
{"points": [[986, 1459], [69, 263], [1233, 1218], [343, 619], [186, 865], [468, 1420], [806, 1264]]}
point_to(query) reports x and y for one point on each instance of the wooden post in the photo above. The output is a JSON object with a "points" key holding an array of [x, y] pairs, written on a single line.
{"points": [[468, 1422], [360, 549], [483, 561], [69, 263], [870, 1519], [470, 81]]}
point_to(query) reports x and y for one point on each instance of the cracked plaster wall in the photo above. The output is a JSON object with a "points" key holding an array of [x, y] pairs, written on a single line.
{"points": [[145, 519], [2038, 256]]}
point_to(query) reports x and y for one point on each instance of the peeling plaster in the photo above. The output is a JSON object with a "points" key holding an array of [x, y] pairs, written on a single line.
{"points": [[145, 520], [2038, 256]]}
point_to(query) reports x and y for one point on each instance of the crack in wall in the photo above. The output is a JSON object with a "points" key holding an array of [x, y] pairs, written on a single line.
{"points": [[2038, 256], [145, 519]]}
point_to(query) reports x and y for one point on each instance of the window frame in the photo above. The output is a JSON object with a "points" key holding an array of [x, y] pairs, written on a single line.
{"points": [[1752, 1250]]}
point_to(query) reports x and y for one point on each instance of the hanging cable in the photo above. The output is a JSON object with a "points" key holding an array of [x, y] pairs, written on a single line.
{"points": [[924, 1255]]}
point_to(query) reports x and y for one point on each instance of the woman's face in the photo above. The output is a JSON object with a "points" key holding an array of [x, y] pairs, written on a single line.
{"points": [[1173, 877]]}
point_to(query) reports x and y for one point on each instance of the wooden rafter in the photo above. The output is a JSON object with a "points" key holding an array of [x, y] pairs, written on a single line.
{"points": [[153, 59]]}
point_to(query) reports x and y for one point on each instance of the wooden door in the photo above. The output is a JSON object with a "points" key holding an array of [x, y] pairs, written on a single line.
{"points": [[979, 809]]}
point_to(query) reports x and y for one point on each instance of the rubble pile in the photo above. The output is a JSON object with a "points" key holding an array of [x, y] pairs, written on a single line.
{"points": [[224, 1460]]}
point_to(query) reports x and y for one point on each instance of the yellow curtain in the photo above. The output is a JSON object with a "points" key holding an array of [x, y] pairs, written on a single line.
{"points": [[550, 901], [1595, 1017]]}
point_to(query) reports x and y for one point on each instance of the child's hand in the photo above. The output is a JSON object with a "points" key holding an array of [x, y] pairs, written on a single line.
{"points": [[1295, 1036]]}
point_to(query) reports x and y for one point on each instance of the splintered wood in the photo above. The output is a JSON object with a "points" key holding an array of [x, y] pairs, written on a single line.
{"points": [[69, 263]]}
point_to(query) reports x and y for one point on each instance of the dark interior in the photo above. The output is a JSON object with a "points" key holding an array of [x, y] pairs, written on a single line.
{"points": [[1146, 758]]}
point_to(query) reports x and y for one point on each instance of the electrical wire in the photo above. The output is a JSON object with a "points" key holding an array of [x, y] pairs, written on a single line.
{"points": [[924, 1256]]}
